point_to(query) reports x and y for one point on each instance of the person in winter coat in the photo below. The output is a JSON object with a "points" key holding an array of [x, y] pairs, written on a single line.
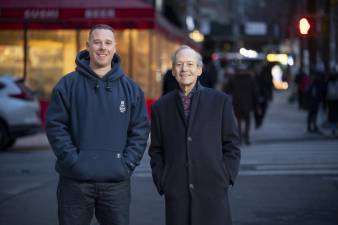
{"points": [[169, 82], [98, 128], [243, 89], [194, 147], [332, 102], [313, 97]]}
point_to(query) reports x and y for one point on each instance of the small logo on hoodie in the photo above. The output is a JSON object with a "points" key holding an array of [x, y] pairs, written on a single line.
{"points": [[122, 107]]}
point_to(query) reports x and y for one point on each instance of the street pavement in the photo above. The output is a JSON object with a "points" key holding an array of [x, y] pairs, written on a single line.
{"points": [[287, 177]]}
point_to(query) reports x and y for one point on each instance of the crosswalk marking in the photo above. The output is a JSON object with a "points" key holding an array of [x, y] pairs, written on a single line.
{"points": [[296, 158]]}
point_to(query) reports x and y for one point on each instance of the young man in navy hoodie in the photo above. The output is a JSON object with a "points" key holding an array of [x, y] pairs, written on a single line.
{"points": [[98, 128]]}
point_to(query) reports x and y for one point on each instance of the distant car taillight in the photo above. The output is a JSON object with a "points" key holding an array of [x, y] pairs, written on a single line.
{"points": [[24, 94]]}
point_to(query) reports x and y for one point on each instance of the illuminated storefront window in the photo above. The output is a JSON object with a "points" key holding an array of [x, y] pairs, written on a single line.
{"points": [[123, 42], [140, 58], [11, 53], [51, 55], [145, 56]]}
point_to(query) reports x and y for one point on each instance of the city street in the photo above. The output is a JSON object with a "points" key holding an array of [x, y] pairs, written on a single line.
{"points": [[287, 177]]}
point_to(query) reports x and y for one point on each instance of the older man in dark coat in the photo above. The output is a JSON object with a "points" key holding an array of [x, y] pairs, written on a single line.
{"points": [[194, 153]]}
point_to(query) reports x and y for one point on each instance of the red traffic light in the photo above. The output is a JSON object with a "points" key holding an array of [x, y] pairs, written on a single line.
{"points": [[304, 26]]}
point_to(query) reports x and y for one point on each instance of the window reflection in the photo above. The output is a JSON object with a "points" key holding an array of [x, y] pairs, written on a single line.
{"points": [[51, 55]]}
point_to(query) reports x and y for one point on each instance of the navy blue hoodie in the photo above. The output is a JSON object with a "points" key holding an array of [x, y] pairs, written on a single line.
{"points": [[97, 127]]}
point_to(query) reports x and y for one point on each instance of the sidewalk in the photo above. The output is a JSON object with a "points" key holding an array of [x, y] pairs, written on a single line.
{"points": [[284, 122], [33, 142]]}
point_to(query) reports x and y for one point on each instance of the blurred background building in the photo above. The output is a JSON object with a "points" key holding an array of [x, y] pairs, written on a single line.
{"points": [[39, 39]]}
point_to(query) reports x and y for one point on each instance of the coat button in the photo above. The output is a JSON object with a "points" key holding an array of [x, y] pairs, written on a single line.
{"points": [[189, 138], [191, 186]]}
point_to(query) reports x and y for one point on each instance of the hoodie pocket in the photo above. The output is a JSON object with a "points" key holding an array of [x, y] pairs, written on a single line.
{"points": [[100, 165]]}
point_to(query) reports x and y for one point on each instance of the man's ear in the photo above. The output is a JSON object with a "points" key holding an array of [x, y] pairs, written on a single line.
{"points": [[199, 71]]}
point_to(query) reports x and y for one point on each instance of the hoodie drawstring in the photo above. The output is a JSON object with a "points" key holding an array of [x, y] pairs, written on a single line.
{"points": [[97, 86], [108, 88]]}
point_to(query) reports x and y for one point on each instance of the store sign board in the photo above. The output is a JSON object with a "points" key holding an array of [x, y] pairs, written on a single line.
{"points": [[74, 13], [41, 14], [69, 18], [99, 13]]}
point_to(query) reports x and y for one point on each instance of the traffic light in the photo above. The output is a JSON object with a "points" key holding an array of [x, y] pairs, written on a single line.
{"points": [[306, 26]]}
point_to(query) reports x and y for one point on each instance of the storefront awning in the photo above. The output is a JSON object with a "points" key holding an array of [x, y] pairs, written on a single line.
{"points": [[65, 14]]}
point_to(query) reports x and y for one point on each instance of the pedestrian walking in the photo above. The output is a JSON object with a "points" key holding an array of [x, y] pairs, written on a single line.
{"points": [[264, 93], [332, 102], [210, 75], [242, 87], [98, 128], [194, 152], [314, 94], [169, 82], [301, 81]]}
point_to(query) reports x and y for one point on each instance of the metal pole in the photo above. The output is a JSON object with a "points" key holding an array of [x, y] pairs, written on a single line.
{"points": [[25, 50]]}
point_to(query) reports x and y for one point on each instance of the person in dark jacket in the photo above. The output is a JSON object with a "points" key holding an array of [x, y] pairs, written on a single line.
{"points": [[314, 95], [264, 86], [169, 82], [98, 128], [243, 89], [332, 102], [194, 147]]}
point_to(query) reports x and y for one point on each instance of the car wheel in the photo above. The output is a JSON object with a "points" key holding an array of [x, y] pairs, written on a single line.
{"points": [[10, 143], [4, 137]]}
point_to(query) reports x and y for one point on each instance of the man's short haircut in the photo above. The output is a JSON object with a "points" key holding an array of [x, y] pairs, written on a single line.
{"points": [[100, 26], [184, 47]]}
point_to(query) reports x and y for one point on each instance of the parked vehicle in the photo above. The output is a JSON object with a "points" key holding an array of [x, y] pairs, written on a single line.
{"points": [[19, 111]]}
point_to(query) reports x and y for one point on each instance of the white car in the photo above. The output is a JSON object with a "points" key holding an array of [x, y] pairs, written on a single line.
{"points": [[19, 111]]}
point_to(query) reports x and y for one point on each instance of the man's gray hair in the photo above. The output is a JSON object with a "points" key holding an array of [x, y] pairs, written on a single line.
{"points": [[185, 47]]}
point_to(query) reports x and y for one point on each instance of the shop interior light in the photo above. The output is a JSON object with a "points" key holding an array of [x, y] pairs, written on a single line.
{"points": [[281, 58], [277, 78], [196, 36], [291, 61], [190, 23], [248, 53]]}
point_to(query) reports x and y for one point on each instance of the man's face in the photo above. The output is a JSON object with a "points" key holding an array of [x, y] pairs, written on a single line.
{"points": [[185, 69], [101, 48]]}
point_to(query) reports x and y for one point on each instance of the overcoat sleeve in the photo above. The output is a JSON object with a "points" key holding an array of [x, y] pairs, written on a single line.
{"points": [[230, 141], [156, 151]]}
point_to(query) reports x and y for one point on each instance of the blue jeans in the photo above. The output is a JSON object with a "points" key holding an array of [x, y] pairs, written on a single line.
{"points": [[78, 200]]}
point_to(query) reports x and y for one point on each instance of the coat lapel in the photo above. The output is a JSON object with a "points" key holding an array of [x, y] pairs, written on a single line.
{"points": [[180, 109], [194, 106]]}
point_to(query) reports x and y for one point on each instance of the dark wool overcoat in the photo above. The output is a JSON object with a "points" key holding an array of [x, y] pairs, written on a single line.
{"points": [[193, 162]]}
